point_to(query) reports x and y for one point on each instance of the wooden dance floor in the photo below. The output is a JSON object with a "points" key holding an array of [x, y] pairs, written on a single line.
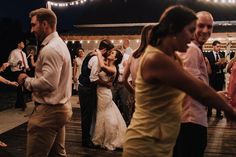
{"points": [[221, 140]]}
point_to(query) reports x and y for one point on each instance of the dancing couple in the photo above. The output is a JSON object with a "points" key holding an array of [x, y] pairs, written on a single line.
{"points": [[101, 121]]}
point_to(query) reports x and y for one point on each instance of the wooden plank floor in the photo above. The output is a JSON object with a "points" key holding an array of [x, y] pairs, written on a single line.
{"points": [[221, 140]]}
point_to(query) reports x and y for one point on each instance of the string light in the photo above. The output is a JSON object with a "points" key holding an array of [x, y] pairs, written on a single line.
{"points": [[65, 4], [221, 1]]}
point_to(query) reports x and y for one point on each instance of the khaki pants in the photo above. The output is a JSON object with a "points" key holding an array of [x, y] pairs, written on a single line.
{"points": [[46, 130]]}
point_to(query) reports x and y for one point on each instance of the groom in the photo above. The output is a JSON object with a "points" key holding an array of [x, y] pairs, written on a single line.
{"points": [[88, 80]]}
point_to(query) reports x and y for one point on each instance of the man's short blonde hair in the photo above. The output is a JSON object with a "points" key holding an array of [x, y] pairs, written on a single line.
{"points": [[44, 14]]}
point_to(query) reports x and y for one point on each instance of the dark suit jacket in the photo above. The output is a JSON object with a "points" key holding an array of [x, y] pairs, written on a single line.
{"points": [[216, 78]]}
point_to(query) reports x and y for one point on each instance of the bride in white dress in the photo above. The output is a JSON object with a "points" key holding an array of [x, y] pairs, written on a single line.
{"points": [[110, 126]]}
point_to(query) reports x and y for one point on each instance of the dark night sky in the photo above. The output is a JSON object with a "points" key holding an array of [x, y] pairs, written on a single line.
{"points": [[14, 20], [14, 14], [109, 11]]}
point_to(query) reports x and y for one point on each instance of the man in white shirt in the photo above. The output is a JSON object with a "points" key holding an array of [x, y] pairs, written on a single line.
{"points": [[127, 48], [217, 76], [51, 88], [19, 64], [119, 92], [192, 139]]}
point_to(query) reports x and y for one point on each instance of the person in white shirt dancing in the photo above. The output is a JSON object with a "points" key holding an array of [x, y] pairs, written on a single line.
{"points": [[51, 88]]}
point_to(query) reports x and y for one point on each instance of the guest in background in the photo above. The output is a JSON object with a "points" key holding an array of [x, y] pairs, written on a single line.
{"points": [[192, 139], [127, 49], [217, 77], [119, 92], [77, 64], [19, 64], [133, 64], [231, 69], [232, 84]]}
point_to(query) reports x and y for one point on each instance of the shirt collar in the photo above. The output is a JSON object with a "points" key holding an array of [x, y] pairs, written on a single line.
{"points": [[197, 44], [49, 37], [215, 53]]}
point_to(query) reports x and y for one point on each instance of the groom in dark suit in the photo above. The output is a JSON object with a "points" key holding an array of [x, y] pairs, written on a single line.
{"points": [[217, 78], [88, 81]]}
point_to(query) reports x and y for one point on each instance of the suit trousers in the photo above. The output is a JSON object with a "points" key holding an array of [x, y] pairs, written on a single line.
{"points": [[88, 106], [192, 141], [20, 97], [46, 130]]}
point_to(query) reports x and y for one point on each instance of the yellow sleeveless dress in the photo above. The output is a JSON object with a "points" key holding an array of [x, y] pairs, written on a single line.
{"points": [[156, 121]]}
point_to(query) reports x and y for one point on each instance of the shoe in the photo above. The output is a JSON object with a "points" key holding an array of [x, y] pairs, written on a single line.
{"points": [[89, 144]]}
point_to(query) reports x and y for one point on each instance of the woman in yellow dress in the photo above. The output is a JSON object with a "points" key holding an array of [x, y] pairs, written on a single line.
{"points": [[160, 85]]}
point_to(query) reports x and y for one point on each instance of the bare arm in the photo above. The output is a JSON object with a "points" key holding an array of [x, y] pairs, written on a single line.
{"points": [[159, 67], [209, 71], [126, 76], [75, 66], [104, 83], [5, 81], [32, 61], [230, 65]]}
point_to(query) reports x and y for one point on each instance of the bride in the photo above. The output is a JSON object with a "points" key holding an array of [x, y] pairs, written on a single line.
{"points": [[110, 126]]}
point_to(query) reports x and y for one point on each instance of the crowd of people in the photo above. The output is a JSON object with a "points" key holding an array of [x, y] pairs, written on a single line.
{"points": [[149, 102]]}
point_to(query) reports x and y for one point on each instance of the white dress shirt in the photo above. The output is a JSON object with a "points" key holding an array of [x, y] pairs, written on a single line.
{"points": [[15, 57], [122, 67], [128, 51], [53, 73], [95, 67], [216, 55]]}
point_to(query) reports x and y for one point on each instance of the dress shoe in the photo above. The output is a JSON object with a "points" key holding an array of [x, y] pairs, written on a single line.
{"points": [[89, 144]]}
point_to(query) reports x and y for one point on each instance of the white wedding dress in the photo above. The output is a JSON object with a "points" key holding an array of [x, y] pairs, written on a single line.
{"points": [[110, 127]]}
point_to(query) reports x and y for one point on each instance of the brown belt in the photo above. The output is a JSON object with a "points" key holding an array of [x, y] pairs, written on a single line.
{"points": [[37, 104]]}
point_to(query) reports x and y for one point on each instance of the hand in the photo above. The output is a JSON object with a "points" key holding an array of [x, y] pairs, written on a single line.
{"points": [[217, 63], [21, 78], [31, 56], [225, 96], [13, 83], [97, 52], [5, 65], [94, 52], [2, 144], [19, 62]]}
